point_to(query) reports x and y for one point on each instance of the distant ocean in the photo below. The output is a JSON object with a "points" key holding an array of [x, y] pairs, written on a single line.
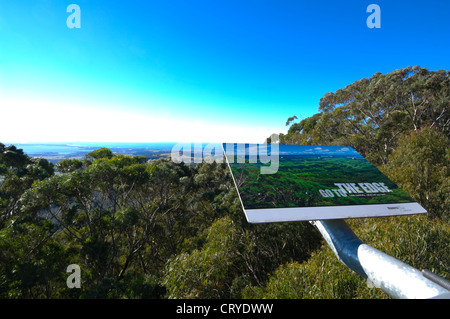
{"points": [[57, 151], [71, 148]]}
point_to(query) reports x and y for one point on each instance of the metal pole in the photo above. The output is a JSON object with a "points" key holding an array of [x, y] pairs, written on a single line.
{"points": [[394, 277]]}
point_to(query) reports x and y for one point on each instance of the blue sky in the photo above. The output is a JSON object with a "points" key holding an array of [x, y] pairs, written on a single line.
{"points": [[196, 71]]}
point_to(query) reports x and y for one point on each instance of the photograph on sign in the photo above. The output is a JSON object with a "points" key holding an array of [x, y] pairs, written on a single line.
{"points": [[279, 183]]}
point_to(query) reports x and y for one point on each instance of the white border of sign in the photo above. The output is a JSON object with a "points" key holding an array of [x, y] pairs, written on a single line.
{"points": [[270, 215]]}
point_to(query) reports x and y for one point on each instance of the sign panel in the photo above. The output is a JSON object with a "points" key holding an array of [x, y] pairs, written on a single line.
{"points": [[278, 183]]}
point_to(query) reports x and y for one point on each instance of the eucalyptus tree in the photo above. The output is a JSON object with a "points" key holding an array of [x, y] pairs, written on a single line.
{"points": [[372, 113]]}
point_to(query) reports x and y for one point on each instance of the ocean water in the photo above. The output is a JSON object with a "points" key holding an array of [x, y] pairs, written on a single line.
{"points": [[58, 151], [76, 148]]}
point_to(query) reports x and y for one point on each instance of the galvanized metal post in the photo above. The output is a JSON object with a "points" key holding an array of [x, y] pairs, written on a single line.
{"points": [[394, 277]]}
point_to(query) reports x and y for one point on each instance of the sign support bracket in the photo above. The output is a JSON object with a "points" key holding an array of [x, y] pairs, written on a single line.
{"points": [[394, 277]]}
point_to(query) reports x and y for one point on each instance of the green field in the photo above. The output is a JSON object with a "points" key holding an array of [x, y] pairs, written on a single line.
{"points": [[302, 180]]}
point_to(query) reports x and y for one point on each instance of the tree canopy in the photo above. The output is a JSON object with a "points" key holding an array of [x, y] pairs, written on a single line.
{"points": [[131, 225], [372, 113]]}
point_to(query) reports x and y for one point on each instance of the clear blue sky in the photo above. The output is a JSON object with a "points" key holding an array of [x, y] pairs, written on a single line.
{"points": [[211, 71]]}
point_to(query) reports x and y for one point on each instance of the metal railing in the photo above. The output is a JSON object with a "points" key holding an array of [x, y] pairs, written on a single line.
{"points": [[394, 277]]}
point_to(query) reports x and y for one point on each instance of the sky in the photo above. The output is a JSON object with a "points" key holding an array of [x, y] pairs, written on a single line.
{"points": [[196, 71]]}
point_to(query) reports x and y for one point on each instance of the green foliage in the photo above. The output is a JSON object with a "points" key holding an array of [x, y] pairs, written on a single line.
{"points": [[3, 169], [20, 173], [233, 256], [10, 156], [102, 152], [206, 273], [418, 240], [68, 165], [415, 240], [32, 262], [420, 165], [371, 113], [322, 277], [126, 222]]}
